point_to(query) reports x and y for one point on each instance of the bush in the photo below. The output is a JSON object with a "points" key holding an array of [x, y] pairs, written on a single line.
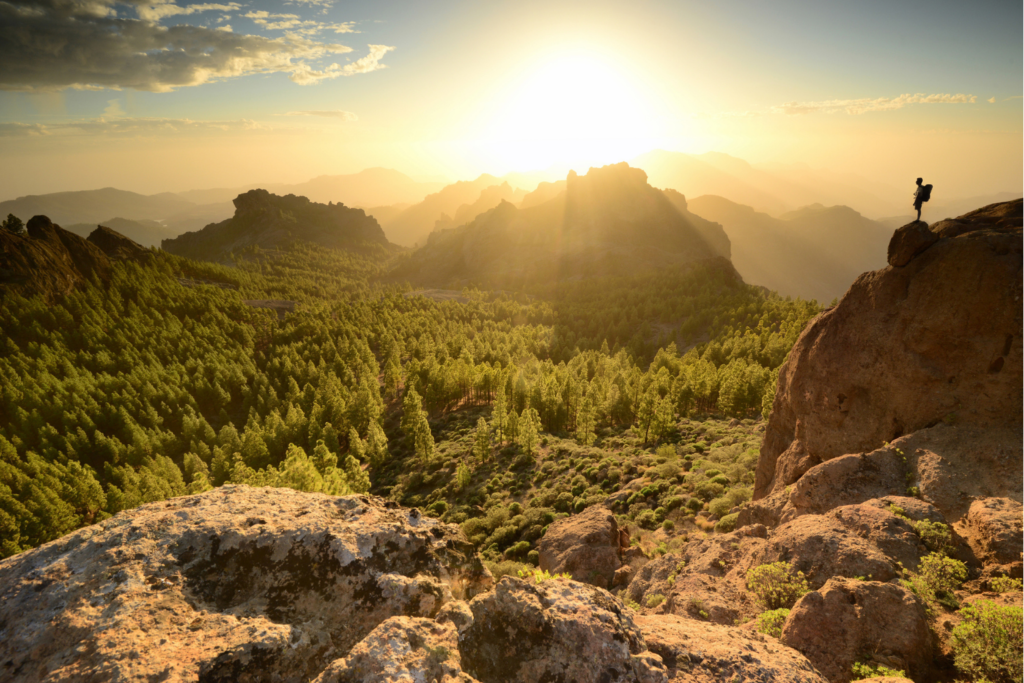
{"points": [[540, 575], [668, 525], [937, 577], [655, 599], [533, 557], [727, 523], [719, 507], [647, 519], [506, 568], [935, 536], [862, 670], [987, 643], [695, 504], [770, 622], [707, 490], [776, 585], [1004, 584], [721, 479]]}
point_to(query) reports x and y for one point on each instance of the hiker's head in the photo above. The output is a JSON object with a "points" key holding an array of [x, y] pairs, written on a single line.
{"points": [[920, 180]]}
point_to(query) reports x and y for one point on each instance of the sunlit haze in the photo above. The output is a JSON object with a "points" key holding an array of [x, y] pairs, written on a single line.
{"points": [[262, 93]]}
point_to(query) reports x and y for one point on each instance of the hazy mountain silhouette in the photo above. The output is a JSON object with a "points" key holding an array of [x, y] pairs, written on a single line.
{"points": [[815, 252], [935, 211], [271, 221], [489, 198], [145, 232], [93, 206], [369, 187], [610, 221], [411, 226]]}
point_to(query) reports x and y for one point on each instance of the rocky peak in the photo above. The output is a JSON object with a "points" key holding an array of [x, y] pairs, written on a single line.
{"points": [[117, 246], [48, 260]]}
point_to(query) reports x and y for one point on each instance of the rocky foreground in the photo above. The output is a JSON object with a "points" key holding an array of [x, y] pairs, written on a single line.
{"points": [[894, 447]]}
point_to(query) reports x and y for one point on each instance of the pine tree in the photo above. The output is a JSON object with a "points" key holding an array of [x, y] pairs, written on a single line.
{"points": [[482, 441], [586, 422], [499, 417], [529, 424]]}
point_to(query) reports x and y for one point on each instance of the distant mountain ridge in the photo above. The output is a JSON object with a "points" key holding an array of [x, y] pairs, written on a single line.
{"points": [[94, 206], [610, 221], [815, 252], [271, 221]]}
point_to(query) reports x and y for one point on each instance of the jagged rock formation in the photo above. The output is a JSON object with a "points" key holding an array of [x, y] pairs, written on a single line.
{"points": [[269, 221], [907, 348], [610, 221], [412, 225], [48, 260]]}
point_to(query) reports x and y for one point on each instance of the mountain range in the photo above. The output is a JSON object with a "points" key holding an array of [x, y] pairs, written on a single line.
{"points": [[609, 221]]}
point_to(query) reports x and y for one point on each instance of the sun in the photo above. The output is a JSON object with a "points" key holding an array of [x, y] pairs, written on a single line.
{"points": [[576, 108]]}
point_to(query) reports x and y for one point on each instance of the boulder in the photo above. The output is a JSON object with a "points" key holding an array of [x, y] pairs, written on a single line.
{"points": [[402, 649], [993, 528], [698, 652], [584, 545], [557, 630], [848, 621], [234, 584], [909, 241], [937, 340]]}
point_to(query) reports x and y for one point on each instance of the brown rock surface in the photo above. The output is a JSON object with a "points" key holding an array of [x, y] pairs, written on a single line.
{"points": [[697, 652], [233, 584], [48, 260], [938, 339], [909, 241], [557, 630], [584, 545], [117, 246], [847, 621], [402, 649], [993, 528]]}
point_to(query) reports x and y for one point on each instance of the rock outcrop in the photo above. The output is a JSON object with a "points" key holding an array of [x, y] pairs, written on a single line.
{"points": [[234, 584], [269, 221], [584, 545], [48, 260], [698, 652], [847, 621], [117, 246], [907, 348]]}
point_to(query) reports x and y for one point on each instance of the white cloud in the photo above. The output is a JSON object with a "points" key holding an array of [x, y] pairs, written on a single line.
{"points": [[128, 127], [364, 65], [113, 109], [864, 105], [331, 113], [87, 44]]}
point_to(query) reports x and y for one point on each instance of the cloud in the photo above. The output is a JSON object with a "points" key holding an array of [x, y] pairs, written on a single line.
{"points": [[991, 100], [335, 114], [292, 22], [864, 105], [127, 127], [364, 65], [92, 44], [113, 109]]}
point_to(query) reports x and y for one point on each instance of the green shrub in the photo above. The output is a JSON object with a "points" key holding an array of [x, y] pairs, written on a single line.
{"points": [[655, 599], [540, 575], [506, 568], [719, 507], [668, 525], [727, 523], [533, 557], [708, 490], [712, 473], [721, 479], [936, 579], [987, 643], [647, 519], [862, 670], [770, 622], [1004, 584], [935, 535], [673, 502], [695, 504], [776, 584]]}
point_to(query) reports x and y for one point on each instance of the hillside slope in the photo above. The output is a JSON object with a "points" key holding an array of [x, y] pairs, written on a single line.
{"points": [[269, 221], [412, 225], [610, 221], [94, 206], [815, 252]]}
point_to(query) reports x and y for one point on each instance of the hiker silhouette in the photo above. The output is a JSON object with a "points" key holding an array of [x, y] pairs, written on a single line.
{"points": [[922, 194]]}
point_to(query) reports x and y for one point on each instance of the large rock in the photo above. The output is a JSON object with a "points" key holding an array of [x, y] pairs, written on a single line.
{"points": [[233, 584], [848, 621], [696, 652], [117, 246], [48, 260], [909, 241], [557, 630], [993, 528], [402, 649], [938, 339], [584, 545]]}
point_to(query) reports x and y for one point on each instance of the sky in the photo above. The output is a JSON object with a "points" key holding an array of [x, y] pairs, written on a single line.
{"points": [[170, 96]]}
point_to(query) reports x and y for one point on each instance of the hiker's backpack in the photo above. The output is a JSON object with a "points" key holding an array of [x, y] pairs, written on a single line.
{"points": [[926, 193]]}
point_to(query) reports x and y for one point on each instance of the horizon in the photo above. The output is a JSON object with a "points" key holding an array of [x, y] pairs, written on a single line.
{"points": [[239, 94]]}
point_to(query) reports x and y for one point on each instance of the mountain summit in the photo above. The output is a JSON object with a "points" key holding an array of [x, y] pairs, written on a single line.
{"points": [[610, 221], [270, 221]]}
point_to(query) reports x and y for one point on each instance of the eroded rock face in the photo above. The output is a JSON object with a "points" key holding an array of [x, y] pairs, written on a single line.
{"points": [[993, 528], [236, 583], [554, 631], [697, 652], [47, 260], [847, 621], [584, 545], [905, 349], [117, 246]]}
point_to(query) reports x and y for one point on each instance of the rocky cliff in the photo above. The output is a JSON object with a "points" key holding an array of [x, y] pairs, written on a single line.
{"points": [[269, 221]]}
